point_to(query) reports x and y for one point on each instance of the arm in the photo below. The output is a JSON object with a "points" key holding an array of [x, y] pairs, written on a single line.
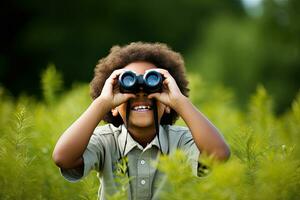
{"points": [[73, 142], [205, 134]]}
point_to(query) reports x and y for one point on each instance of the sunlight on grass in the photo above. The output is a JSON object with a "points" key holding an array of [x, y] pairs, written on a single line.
{"points": [[264, 164]]}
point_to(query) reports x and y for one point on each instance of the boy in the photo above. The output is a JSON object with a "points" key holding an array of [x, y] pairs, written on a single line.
{"points": [[132, 131]]}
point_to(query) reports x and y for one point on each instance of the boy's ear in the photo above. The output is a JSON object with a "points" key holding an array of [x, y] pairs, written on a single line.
{"points": [[115, 112], [167, 109]]}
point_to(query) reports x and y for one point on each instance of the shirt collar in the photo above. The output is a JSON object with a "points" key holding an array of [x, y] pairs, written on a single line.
{"points": [[131, 143]]}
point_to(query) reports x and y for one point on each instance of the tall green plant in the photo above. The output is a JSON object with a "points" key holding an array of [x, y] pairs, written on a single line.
{"points": [[264, 163], [51, 83]]}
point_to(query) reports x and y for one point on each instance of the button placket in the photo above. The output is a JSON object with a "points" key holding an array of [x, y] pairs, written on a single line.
{"points": [[143, 167]]}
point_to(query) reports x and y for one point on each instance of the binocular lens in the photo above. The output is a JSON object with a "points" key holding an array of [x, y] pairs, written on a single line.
{"points": [[153, 80], [150, 82], [128, 80]]}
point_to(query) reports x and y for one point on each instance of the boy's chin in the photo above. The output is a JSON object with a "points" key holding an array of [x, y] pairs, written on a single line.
{"points": [[143, 124]]}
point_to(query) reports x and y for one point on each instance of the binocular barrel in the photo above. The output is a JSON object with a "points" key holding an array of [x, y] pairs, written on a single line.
{"points": [[150, 82]]}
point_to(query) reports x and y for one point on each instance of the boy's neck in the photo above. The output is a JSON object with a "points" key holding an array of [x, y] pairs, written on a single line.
{"points": [[142, 135]]}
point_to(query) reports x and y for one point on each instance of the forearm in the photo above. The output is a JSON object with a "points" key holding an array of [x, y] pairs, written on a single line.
{"points": [[71, 145], [206, 136]]}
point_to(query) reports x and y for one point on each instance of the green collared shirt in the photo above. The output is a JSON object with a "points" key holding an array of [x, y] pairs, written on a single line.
{"points": [[106, 148]]}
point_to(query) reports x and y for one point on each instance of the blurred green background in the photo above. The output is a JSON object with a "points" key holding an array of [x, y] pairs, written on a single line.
{"points": [[239, 54], [237, 43]]}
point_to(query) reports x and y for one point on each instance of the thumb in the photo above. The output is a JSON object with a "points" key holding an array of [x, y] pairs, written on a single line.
{"points": [[153, 95], [129, 95]]}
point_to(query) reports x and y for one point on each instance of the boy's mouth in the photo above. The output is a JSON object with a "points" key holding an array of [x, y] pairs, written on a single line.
{"points": [[141, 106]]}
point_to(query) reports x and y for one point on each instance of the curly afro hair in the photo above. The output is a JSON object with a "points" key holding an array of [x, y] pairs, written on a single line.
{"points": [[158, 54]]}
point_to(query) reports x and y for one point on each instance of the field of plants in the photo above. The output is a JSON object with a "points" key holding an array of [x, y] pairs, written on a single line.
{"points": [[264, 164]]}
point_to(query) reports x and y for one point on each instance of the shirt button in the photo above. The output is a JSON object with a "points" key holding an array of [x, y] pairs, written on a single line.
{"points": [[143, 182], [143, 162]]}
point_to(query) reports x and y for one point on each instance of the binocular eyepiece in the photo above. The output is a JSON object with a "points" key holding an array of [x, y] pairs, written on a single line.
{"points": [[150, 82]]}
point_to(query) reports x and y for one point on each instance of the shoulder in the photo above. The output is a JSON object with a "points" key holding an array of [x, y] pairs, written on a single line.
{"points": [[174, 129], [106, 133], [105, 137], [107, 130], [177, 133], [178, 136]]}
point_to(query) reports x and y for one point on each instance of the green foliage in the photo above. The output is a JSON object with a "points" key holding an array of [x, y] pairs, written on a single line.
{"points": [[122, 180], [264, 164], [51, 83]]}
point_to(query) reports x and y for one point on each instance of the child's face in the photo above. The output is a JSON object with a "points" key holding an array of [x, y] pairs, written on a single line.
{"points": [[140, 118]]}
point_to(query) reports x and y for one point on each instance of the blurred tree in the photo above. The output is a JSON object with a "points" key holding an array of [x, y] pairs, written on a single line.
{"points": [[280, 29], [75, 34], [242, 52], [217, 39]]}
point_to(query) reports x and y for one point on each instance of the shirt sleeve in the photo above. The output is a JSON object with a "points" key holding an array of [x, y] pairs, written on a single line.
{"points": [[92, 158], [187, 144]]}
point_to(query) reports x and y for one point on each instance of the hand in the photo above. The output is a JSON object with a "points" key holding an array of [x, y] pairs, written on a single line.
{"points": [[111, 92], [171, 94]]}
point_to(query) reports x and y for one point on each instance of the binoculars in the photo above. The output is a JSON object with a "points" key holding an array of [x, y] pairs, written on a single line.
{"points": [[150, 82]]}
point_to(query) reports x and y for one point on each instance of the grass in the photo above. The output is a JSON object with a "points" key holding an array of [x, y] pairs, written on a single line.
{"points": [[264, 164]]}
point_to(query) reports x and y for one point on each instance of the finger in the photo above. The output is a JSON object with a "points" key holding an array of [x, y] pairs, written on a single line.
{"points": [[153, 95], [129, 96], [122, 98], [116, 73], [112, 79], [166, 82], [164, 72]]}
